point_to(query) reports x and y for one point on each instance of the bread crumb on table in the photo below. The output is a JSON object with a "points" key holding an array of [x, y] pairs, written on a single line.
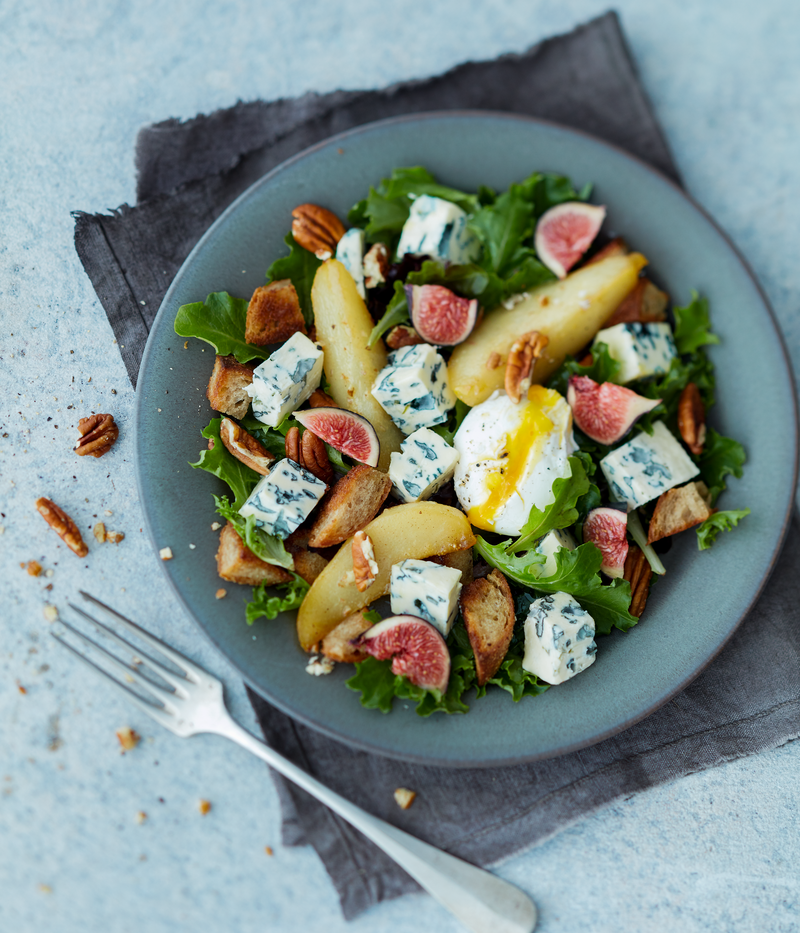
{"points": [[221, 593], [268, 850], [50, 612], [204, 806], [165, 553], [141, 816], [128, 738], [404, 797]]}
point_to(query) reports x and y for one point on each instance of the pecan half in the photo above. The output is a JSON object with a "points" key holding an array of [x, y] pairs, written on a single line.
{"points": [[521, 358], [320, 399], [638, 573], [63, 525], [245, 447], [310, 452], [365, 567], [692, 419], [98, 434], [317, 229], [402, 336]]}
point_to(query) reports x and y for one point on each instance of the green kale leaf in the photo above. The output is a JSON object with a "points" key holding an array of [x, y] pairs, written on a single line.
{"points": [[719, 521], [721, 456], [300, 266], [578, 573], [692, 325], [220, 321]]}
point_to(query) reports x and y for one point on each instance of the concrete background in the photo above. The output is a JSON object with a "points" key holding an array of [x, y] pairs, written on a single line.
{"points": [[713, 851]]}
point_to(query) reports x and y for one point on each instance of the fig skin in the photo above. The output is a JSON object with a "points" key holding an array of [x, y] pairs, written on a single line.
{"points": [[439, 316], [416, 648], [606, 528], [605, 412], [348, 432], [565, 232]]}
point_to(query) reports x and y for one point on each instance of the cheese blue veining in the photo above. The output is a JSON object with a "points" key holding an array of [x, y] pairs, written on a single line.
{"points": [[413, 389], [427, 590], [284, 498], [284, 381], [438, 228], [559, 638], [425, 462], [643, 349]]}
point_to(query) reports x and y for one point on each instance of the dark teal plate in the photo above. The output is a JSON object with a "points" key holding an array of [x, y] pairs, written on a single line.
{"points": [[691, 612]]}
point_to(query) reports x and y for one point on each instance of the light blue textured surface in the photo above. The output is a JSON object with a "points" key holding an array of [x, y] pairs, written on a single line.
{"points": [[713, 851]]}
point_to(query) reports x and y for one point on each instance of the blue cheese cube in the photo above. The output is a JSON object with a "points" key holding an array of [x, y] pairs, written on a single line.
{"points": [[647, 466], [438, 228], [643, 349], [413, 389], [559, 638], [426, 590], [284, 381], [548, 545], [350, 253], [425, 463], [284, 498]]}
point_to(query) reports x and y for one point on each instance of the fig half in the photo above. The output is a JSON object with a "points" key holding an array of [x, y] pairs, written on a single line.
{"points": [[605, 412], [607, 528], [439, 316], [416, 648], [565, 232], [348, 432]]}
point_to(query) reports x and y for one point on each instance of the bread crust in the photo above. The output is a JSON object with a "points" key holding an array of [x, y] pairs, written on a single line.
{"points": [[227, 387], [238, 564], [336, 644], [273, 314], [352, 503], [679, 509], [488, 610]]}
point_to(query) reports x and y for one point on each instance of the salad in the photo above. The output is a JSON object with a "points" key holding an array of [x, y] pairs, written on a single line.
{"points": [[474, 404]]}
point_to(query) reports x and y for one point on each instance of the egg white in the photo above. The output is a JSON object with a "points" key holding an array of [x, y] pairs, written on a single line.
{"points": [[510, 455]]}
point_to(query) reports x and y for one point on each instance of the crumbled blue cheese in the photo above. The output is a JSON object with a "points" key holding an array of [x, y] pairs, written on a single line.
{"points": [[548, 545], [559, 638], [647, 466], [438, 228], [643, 349], [284, 498], [350, 253], [376, 261], [426, 590], [319, 665], [284, 381], [425, 463], [413, 389]]}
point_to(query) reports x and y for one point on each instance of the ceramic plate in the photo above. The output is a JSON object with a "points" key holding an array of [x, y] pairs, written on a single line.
{"points": [[691, 612]]}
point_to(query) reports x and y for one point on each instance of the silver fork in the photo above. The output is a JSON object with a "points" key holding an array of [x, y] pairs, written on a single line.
{"points": [[483, 902]]}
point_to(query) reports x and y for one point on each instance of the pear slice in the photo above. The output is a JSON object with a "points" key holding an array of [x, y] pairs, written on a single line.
{"points": [[569, 313], [343, 326], [414, 530]]}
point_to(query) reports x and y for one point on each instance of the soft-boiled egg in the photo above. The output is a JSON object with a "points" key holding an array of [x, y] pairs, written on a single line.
{"points": [[510, 456]]}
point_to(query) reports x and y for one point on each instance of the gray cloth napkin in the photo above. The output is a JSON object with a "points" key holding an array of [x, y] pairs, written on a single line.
{"points": [[747, 700]]}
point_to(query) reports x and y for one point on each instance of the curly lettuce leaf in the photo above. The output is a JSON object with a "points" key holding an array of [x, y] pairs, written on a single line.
{"points": [[603, 368], [267, 603], [560, 514], [220, 321], [221, 463], [300, 266], [269, 548], [719, 521], [721, 457], [577, 573], [692, 325]]}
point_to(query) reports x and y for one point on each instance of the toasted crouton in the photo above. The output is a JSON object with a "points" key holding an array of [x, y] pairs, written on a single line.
{"points": [[679, 509], [461, 560], [237, 563], [227, 386], [336, 644], [273, 314], [488, 609], [644, 303], [353, 503], [616, 247]]}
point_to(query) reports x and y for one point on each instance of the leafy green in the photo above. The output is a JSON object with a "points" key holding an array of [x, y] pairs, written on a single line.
{"points": [[468, 280], [222, 463], [269, 548], [695, 368], [719, 521], [721, 457], [578, 573], [453, 423], [692, 325], [300, 266], [269, 605], [560, 514], [603, 368], [371, 615], [416, 181], [505, 228], [396, 313], [220, 321], [513, 678]]}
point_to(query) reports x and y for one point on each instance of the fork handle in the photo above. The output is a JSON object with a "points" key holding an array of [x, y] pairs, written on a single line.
{"points": [[483, 902]]}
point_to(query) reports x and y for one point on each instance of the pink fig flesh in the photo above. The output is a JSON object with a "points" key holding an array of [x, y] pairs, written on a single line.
{"points": [[605, 412], [416, 648], [607, 528], [439, 316], [565, 232], [348, 432]]}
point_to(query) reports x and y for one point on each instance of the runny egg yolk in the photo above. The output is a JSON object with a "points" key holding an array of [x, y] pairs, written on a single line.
{"points": [[521, 448]]}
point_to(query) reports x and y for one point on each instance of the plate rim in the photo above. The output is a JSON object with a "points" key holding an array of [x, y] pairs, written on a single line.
{"points": [[629, 721]]}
